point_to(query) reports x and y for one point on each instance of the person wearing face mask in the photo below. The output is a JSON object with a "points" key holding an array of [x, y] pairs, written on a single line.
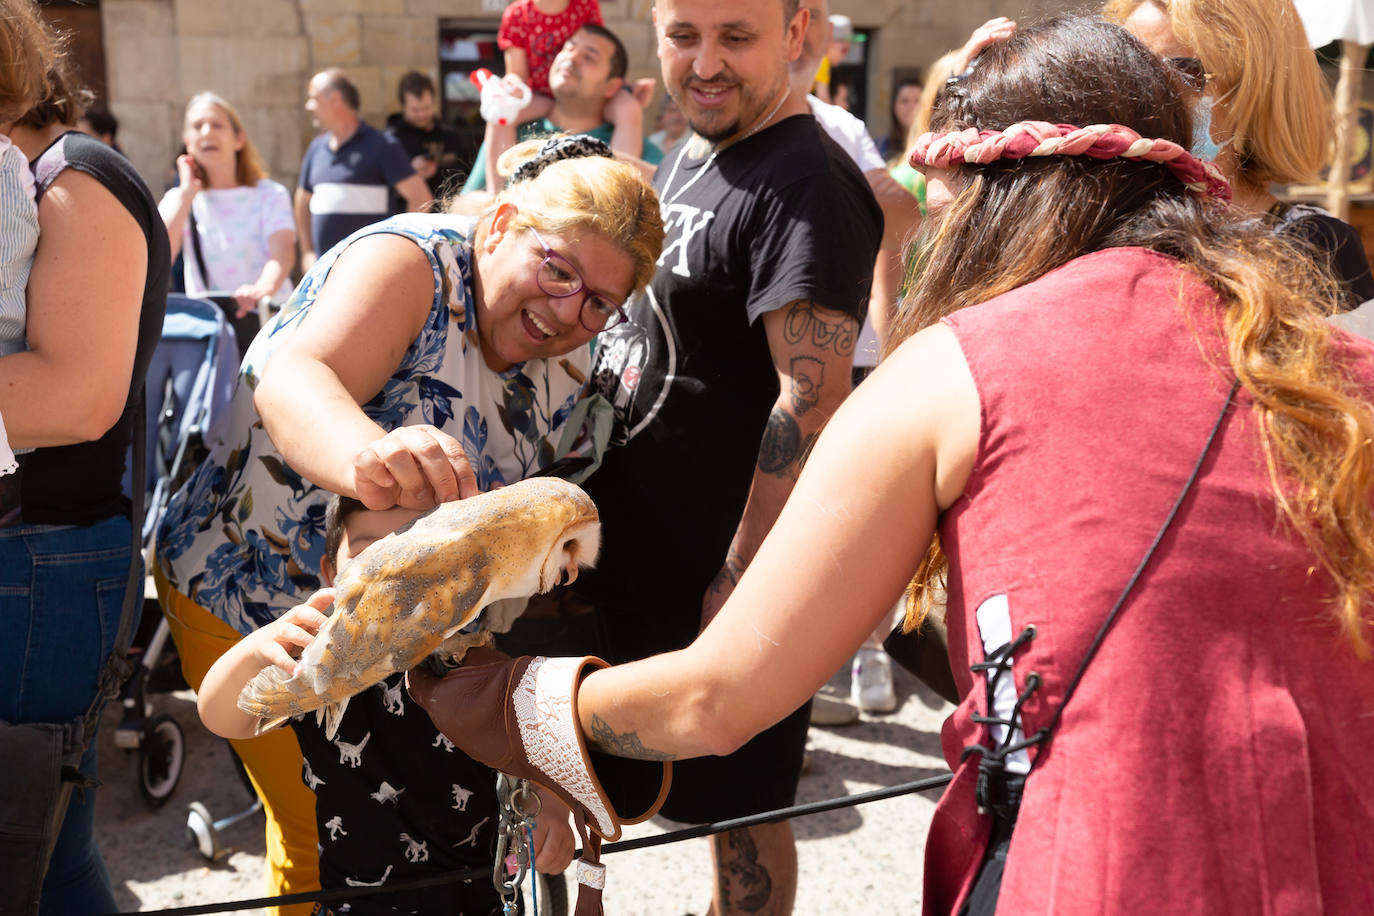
{"points": [[424, 358], [1262, 111]]}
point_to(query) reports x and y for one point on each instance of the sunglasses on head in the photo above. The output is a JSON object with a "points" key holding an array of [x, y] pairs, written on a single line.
{"points": [[1192, 71]]}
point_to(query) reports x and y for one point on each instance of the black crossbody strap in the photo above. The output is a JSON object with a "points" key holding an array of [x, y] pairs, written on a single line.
{"points": [[1144, 561], [195, 249]]}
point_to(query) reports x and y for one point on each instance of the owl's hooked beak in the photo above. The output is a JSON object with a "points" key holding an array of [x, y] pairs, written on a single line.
{"points": [[577, 548]]}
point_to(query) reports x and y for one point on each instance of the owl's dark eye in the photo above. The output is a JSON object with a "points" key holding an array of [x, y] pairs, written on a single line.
{"points": [[569, 545]]}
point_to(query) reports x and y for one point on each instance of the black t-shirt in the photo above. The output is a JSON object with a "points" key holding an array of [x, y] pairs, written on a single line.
{"points": [[441, 144], [775, 218], [396, 801], [1335, 240], [81, 484]]}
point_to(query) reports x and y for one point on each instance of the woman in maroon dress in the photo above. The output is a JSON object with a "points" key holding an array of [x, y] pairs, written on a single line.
{"points": [[1146, 456]]}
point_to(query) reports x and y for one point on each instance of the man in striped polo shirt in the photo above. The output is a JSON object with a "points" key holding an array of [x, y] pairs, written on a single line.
{"points": [[348, 170]]}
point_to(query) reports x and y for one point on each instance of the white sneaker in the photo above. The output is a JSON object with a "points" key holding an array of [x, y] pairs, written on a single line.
{"points": [[871, 681], [828, 707]]}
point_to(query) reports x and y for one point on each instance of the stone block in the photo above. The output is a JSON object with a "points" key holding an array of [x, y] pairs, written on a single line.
{"points": [[135, 17], [629, 11], [240, 18], [141, 51], [277, 132], [246, 71], [373, 92], [334, 40], [400, 41], [641, 47], [462, 9], [148, 134], [334, 6]]}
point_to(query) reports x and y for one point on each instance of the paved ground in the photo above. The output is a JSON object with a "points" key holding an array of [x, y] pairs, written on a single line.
{"points": [[855, 860]]}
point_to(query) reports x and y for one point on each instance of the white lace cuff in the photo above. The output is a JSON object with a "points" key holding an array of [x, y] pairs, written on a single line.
{"points": [[594, 876], [548, 729]]}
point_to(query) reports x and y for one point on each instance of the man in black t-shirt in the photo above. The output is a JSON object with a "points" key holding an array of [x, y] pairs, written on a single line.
{"points": [[734, 357], [436, 151]]}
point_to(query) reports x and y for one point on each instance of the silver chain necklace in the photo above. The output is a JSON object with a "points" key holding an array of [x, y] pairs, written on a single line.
{"points": [[715, 152]]}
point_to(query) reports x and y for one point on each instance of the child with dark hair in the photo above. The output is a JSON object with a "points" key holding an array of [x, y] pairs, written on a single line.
{"points": [[395, 800]]}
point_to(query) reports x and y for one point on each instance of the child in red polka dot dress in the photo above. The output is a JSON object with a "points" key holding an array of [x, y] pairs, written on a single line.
{"points": [[531, 35]]}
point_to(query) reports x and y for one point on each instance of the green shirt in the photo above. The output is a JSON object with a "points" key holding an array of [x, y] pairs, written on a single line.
{"points": [[477, 178]]}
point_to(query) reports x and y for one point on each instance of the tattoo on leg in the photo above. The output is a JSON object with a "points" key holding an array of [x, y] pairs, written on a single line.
{"points": [[745, 885], [626, 744]]}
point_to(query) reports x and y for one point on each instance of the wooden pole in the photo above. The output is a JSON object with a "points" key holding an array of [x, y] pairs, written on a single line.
{"points": [[1344, 115]]}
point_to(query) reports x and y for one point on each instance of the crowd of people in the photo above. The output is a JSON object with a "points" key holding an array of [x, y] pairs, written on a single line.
{"points": [[1039, 376]]}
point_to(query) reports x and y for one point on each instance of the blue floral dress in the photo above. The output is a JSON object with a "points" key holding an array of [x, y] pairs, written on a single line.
{"points": [[244, 536]]}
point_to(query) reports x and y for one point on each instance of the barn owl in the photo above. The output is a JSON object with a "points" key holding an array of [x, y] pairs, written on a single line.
{"points": [[421, 590]]}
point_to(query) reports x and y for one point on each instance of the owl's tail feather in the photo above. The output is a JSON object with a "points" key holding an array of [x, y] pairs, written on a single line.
{"points": [[273, 696]]}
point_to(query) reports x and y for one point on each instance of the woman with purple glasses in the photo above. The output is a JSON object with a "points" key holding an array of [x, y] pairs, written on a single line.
{"points": [[425, 358]]}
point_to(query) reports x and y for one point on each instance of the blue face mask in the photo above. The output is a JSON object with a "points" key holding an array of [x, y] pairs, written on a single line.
{"points": [[1204, 147]]}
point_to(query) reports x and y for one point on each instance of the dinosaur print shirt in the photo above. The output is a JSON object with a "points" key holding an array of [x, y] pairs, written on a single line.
{"points": [[396, 801], [243, 537]]}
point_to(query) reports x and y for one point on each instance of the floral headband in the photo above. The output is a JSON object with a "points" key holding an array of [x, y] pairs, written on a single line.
{"points": [[565, 146], [1040, 138]]}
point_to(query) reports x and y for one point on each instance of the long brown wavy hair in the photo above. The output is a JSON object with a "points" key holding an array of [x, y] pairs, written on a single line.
{"points": [[1013, 222]]}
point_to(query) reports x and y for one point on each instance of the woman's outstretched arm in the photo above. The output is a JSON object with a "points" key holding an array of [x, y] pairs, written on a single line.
{"points": [[848, 540], [371, 308]]}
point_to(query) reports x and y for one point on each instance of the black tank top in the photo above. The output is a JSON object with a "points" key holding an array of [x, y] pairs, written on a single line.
{"points": [[81, 484]]}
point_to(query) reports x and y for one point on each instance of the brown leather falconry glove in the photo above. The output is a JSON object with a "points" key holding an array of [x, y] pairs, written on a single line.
{"points": [[519, 716]]}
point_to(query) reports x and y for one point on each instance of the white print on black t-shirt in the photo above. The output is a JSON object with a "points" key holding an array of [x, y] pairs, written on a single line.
{"points": [[352, 754], [619, 370], [386, 794], [311, 780], [690, 220], [416, 851], [391, 698], [354, 882], [472, 837], [441, 740], [460, 797], [335, 827]]}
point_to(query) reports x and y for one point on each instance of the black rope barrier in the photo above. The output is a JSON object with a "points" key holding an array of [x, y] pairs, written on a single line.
{"points": [[469, 874]]}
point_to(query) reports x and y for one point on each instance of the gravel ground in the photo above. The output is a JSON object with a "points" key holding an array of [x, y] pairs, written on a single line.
{"points": [[853, 860]]}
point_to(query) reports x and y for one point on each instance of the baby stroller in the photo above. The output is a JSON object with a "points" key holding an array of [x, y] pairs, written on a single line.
{"points": [[189, 382]]}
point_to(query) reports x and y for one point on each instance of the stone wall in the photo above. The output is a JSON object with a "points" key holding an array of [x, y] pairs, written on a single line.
{"points": [[259, 54]]}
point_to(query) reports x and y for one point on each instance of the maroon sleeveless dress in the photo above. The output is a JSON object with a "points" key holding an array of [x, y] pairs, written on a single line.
{"points": [[1216, 756]]}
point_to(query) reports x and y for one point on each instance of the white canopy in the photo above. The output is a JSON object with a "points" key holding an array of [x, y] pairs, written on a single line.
{"points": [[1337, 20]]}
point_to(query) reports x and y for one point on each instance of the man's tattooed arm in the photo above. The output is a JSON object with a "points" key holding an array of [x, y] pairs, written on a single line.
{"points": [[812, 348]]}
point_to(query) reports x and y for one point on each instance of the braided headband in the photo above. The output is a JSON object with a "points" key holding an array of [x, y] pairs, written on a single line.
{"points": [[1040, 138], [566, 146]]}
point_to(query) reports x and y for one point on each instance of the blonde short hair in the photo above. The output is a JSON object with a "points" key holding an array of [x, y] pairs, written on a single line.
{"points": [[248, 167], [1262, 69], [608, 197]]}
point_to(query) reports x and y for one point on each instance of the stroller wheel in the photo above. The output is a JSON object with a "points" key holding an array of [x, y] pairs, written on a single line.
{"points": [[161, 756], [200, 831]]}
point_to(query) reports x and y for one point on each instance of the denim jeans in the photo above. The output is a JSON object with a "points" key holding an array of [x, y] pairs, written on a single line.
{"points": [[61, 594]]}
